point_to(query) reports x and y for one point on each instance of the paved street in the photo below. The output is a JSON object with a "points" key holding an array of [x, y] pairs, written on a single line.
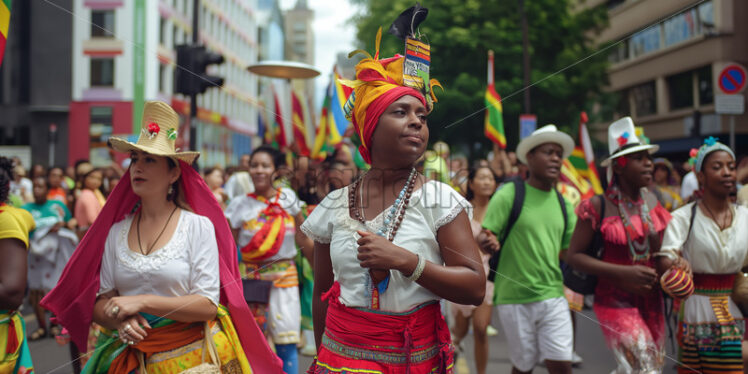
{"points": [[51, 358]]}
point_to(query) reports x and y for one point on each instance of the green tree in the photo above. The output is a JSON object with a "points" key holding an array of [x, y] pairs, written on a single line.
{"points": [[461, 32]]}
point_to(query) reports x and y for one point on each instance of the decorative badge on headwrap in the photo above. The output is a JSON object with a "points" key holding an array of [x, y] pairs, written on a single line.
{"points": [[711, 144], [379, 83]]}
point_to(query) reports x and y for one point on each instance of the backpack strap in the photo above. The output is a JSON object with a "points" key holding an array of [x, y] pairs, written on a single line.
{"points": [[562, 201], [519, 199]]}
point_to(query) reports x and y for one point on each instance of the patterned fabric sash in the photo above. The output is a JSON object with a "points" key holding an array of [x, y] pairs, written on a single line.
{"points": [[718, 288], [14, 351], [407, 338], [167, 337], [283, 273], [267, 241]]}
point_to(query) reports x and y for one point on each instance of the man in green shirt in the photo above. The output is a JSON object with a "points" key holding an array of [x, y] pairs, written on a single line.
{"points": [[529, 291]]}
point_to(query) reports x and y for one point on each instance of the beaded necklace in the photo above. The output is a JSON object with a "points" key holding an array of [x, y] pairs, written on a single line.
{"points": [[392, 220], [394, 216], [639, 250]]}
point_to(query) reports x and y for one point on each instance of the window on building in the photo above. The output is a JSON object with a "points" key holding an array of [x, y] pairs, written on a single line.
{"points": [[102, 23], [162, 30], [645, 41], [704, 85], [162, 78], [623, 105], [99, 132], [102, 72], [680, 87], [645, 99]]}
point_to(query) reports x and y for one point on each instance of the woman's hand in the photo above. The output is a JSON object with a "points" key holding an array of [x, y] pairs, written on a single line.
{"points": [[121, 307], [379, 254], [637, 279], [488, 242], [132, 329]]}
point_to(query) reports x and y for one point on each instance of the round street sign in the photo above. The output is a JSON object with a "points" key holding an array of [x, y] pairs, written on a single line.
{"points": [[732, 79]]}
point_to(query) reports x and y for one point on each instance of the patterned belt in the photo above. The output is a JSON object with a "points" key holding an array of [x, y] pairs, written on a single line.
{"points": [[718, 288]]}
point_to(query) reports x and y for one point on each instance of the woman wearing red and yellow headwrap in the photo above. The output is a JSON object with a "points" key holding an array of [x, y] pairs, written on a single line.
{"points": [[389, 246]]}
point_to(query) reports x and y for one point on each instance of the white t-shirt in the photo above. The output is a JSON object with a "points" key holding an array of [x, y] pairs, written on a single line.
{"points": [[186, 265], [244, 212], [431, 207]]}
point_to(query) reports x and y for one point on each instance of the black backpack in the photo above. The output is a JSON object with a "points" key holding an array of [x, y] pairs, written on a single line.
{"points": [[519, 199]]}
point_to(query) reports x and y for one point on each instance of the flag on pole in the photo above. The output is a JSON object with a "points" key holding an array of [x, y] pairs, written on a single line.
{"points": [[583, 157], [278, 127], [321, 144], [337, 122], [494, 123], [299, 119], [572, 176], [4, 25]]}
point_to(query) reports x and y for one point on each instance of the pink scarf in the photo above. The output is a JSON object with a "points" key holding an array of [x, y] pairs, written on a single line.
{"points": [[73, 299]]}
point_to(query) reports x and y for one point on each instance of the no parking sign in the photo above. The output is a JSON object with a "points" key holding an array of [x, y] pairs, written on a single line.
{"points": [[732, 79]]}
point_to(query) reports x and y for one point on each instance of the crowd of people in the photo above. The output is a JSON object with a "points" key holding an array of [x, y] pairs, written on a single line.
{"points": [[149, 266]]}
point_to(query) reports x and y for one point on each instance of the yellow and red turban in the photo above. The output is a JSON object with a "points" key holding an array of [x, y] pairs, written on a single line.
{"points": [[378, 84]]}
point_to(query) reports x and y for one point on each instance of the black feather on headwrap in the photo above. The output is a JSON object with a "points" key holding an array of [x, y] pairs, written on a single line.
{"points": [[407, 22]]}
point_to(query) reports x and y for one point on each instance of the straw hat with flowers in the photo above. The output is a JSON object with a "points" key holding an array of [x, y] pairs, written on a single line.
{"points": [[158, 134]]}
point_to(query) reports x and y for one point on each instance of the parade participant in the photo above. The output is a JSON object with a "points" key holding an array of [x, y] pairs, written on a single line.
{"points": [[664, 185], [265, 226], [56, 190], [158, 270], [15, 225], [378, 280], [529, 292], [89, 202], [481, 185], [628, 303], [20, 185], [710, 234], [52, 244], [239, 183], [214, 179]]}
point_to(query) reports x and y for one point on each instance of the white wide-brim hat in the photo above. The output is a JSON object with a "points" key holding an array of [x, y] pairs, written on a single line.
{"points": [[622, 140], [545, 134], [158, 134]]}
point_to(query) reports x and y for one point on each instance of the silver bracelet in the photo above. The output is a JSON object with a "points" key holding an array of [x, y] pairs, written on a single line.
{"points": [[419, 269]]}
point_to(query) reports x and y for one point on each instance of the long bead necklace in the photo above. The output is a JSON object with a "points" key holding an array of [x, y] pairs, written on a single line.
{"points": [[639, 250], [394, 215]]}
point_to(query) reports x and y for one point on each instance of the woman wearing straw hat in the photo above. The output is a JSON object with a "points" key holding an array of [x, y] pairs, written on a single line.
{"points": [[391, 245], [628, 303], [711, 234], [158, 270]]}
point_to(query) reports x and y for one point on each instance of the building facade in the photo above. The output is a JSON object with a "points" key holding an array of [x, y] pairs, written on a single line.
{"points": [[35, 83], [300, 42], [124, 54], [665, 65]]}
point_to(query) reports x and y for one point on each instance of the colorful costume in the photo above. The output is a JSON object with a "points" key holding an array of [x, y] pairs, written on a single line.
{"points": [[711, 327], [352, 342], [268, 249], [209, 239], [633, 325], [15, 357]]}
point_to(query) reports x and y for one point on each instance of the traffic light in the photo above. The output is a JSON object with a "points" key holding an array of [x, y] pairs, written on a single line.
{"points": [[190, 75]]}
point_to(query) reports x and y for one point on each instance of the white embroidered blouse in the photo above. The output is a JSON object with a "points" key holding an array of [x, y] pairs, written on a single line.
{"points": [[186, 265], [431, 207]]}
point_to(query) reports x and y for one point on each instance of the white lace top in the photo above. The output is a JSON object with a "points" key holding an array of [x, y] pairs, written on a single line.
{"points": [[431, 207], [186, 265]]}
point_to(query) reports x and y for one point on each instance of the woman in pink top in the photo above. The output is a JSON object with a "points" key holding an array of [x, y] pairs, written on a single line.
{"points": [[91, 200]]}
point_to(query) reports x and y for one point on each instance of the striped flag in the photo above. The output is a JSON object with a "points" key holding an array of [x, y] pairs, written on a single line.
{"points": [[572, 176], [337, 122], [278, 127], [583, 157], [321, 145], [494, 123], [299, 120], [4, 24]]}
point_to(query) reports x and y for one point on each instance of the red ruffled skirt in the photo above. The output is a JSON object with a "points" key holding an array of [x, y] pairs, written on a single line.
{"points": [[357, 340]]}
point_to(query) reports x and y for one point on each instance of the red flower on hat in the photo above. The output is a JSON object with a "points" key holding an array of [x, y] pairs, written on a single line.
{"points": [[623, 139], [153, 128]]}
